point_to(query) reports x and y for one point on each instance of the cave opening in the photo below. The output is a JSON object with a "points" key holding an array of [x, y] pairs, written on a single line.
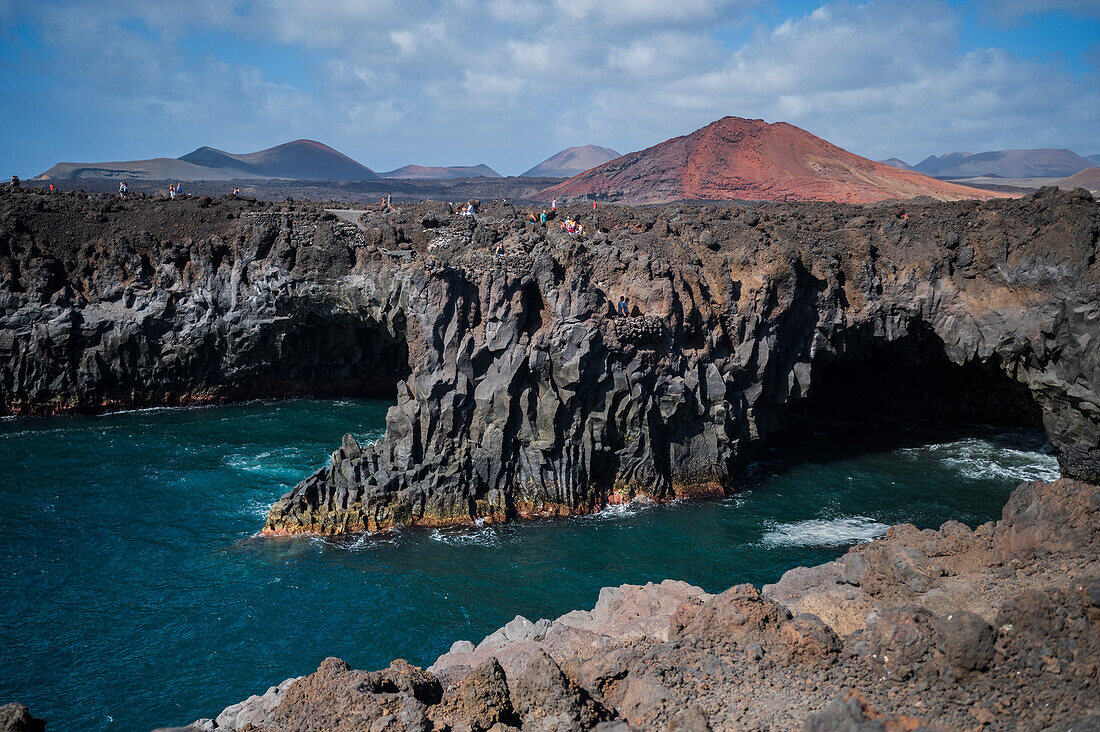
{"points": [[341, 356], [885, 394]]}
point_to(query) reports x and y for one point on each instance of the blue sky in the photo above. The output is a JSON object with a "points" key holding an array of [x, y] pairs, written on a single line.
{"points": [[510, 82]]}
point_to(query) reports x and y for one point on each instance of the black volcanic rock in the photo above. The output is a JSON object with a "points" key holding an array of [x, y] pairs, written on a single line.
{"points": [[16, 718], [519, 393]]}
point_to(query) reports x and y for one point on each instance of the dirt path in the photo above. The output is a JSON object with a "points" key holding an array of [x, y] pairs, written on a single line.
{"points": [[351, 215]]}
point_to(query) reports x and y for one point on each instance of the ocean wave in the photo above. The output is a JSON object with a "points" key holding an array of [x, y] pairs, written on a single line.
{"points": [[486, 536], [285, 464], [258, 508], [824, 532], [980, 459]]}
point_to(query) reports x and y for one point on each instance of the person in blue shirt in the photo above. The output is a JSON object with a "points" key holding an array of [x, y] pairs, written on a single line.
{"points": [[624, 309]]}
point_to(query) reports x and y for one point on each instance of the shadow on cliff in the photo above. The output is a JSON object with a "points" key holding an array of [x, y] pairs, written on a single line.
{"points": [[886, 395]]}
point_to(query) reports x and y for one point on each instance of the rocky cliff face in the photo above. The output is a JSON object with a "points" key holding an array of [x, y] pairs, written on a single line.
{"points": [[519, 392]]}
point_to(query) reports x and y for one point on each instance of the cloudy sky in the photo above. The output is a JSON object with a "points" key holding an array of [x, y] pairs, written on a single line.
{"points": [[510, 82]]}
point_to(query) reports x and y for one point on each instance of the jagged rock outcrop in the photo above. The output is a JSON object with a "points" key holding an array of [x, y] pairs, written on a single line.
{"points": [[1006, 636], [527, 397], [519, 392]]}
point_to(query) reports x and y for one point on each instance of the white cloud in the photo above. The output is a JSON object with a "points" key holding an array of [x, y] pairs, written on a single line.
{"points": [[509, 82]]}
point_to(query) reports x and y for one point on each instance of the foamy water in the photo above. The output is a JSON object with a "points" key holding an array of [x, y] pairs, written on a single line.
{"points": [[825, 532]]}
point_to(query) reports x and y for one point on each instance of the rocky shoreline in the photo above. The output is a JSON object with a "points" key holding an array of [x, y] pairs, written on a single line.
{"points": [[520, 393], [995, 627]]}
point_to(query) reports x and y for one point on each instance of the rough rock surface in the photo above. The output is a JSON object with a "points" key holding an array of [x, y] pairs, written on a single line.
{"points": [[16, 718], [519, 392], [1002, 638]]}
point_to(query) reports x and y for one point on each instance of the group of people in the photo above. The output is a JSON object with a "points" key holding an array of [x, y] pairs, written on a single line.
{"points": [[574, 228], [174, 189]]}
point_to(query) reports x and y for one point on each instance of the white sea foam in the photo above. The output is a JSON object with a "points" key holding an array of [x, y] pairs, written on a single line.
{"points": [[979, 459], [365, 542], [269, 463], [258, 507], [486, 536], [825, 532]]}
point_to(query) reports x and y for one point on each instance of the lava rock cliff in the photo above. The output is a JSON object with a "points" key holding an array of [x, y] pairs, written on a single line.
{"points": [[519, 391]]}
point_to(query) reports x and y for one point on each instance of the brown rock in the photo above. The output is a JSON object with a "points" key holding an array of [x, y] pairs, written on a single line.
{"points": [[1044, 518], [479, 701], [740, 614]]}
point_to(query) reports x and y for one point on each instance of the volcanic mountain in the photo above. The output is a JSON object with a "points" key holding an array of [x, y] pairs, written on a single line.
{"points": [[571, 161], [1089, 178], [749, 159], [897, 163], [1040, 163], [436, 172], [298, 160]]}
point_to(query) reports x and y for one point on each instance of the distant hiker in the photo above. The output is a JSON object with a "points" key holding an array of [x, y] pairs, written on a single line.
{"points": [[554, 205], [542, 217], [593, 205], [123, 189], [171, 190], [51, 187], [624, 309], [14, 182], [500, 249], [236, 192]]}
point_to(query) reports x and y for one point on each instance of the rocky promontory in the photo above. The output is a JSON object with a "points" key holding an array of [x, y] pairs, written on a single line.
{"points": [[519, 389], [993, 627]]}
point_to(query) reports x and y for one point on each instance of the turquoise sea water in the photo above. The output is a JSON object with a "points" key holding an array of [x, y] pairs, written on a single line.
{"points": [[134, 595]]}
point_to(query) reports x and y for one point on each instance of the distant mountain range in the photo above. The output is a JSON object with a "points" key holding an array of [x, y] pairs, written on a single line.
{"points": [[749, 159], [298, 160], [301, 159], [732, 158], [429, 172], [1037, 163], [571, 161]]}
